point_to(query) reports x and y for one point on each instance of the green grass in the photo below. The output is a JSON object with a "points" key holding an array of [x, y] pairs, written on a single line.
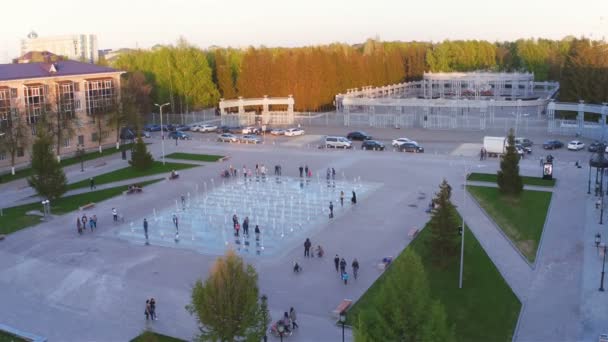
{"points": [[6, 337], [14, 218], [130, 173], [149, 336], [522, 219], [196, 157], [491, 178], [485, 309], [23, 173]]}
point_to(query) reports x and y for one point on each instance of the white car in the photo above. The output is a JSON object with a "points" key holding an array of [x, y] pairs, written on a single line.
{"points": [[207, 128], [251, 130], [576, 145], [277, 131], [400, 141], [293, 132]]}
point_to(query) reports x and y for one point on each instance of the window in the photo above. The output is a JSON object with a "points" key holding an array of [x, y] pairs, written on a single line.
{"points": [[77, 105], [81, 140], [34, 102], [2, 155], [99, 95], [66, 142], [5, 105], [65, 99], [20, 152], [94, 137], [76, 86], [14, 92]]}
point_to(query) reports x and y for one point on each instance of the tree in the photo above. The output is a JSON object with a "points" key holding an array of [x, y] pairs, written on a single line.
{"points": [[227, 305], [443, 225], [48, 178], [436, 327], [14, 136], [508, 179], [141, 159]]}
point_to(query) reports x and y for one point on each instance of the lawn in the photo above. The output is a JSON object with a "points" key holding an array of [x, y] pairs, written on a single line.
{"points": [[522, 219], [149, 336], [491, 178], [14, 218], [6, 337], [196, 157], [485, 309], [7, 177], [130, 173]]}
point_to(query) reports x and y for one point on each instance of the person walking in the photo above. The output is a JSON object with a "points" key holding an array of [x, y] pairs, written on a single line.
{"points": [[337, 263], [246, 226], [292, 317], [307, 245], [85, 220], [146, 230], [341, 198], [115, 214], [328, 174], [176, 222], [92, 183], [331, 210], [345, 277], [301, 171], [481, 154], [183, 202], [333, 173], [257, 233], [343, 265], [355, 266], [92, 222], [153, 309], [147, 309], [79, 225], [306, 170], [353, 199]]}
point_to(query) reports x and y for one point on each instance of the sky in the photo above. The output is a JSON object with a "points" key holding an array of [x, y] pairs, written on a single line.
{"points": [[241, 23]]}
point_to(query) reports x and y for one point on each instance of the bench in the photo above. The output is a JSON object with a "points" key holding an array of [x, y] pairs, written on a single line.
{"points": [[345, 304], [413, 233], [134, 190], [87, 206]]}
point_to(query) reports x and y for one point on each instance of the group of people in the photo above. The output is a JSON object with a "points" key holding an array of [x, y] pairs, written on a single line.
{"points": [[150, 311], [308, 245], [237, 227], [81, 223], [288, 321], [173, 175], [340, 264], [305, 171], [483, 154]]}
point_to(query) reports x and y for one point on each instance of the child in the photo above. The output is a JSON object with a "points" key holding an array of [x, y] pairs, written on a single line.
{"points": [[345, 277]]}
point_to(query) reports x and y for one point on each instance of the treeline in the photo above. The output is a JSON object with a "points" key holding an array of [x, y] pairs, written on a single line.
{"points": [[192, 78]]}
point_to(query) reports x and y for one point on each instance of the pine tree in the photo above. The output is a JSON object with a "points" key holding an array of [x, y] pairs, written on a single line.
{"points": [[508, 179], [141, 159], [436, 327], [444, 226], [226, 305], [48, 178]]}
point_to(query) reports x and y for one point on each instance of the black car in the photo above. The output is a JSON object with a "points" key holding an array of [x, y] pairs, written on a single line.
{"points": [[410, 147], [182, 128], [595, 146], [358, 135], [372, 145], [552, 144]]}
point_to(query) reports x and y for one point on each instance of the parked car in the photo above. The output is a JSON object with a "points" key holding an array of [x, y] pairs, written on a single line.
{"points": [[527, 150], [399, 141], [227, 137], [525, 142], [338, 142], [182, 128], [552, 144], [293, 132], [520, 150], [250, 139], [207, 128], [372, 145], [251, 130], [145, 134], [179, 135], [152, 128], [277, 131], [168, 128], [358, 135], [576, 145], [410, 147], [595, 146]]}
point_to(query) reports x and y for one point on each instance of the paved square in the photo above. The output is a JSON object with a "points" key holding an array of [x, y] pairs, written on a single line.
{"points": [[287, 210]]}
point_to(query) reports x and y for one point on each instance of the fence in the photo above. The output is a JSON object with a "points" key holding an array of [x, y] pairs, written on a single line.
{"points": [[184, 118]]}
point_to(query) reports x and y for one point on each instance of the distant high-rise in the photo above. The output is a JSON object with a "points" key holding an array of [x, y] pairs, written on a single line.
{"points": [[80, 47]]}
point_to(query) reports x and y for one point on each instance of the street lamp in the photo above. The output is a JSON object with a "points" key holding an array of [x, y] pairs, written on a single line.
{"points": [[461, 229], [80, 152], [281, 330], [343, 321], [162, 131]]}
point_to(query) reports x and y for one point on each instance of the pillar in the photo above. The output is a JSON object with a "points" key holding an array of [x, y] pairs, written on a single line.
{"points": [[604, 113], [580, 117], [551, 115]]}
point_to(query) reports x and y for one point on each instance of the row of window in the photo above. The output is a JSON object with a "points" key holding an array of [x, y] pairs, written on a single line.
{"points": [[67, 142]]}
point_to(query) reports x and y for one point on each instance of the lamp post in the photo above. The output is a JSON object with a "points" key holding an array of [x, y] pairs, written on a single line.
{"points": [[281, 330], [162, 131], [343, 321], [461, 229], [603, 267], [80, 152]]}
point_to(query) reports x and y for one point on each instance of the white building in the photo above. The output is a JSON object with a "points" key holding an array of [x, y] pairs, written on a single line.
{"points": [[79, 47]]}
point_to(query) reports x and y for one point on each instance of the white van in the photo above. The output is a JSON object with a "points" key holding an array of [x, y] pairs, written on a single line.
{"points": [[338, 142]]}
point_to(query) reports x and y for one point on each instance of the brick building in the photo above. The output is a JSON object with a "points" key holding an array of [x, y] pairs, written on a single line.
{"points": [[83, 92]]}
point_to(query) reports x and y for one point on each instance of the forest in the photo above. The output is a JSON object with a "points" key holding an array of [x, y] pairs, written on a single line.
{"points": [[192, 78]]}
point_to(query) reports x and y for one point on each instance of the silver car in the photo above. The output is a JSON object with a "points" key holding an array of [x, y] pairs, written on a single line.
{"points": [[250, 139], [227, 137]]}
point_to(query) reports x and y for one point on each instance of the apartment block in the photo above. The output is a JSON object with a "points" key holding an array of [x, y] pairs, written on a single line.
{"points": [[83, 93], [79, 47]]}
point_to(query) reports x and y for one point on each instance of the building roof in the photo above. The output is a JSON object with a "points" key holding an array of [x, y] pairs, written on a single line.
{"points": [[10, 72]]}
